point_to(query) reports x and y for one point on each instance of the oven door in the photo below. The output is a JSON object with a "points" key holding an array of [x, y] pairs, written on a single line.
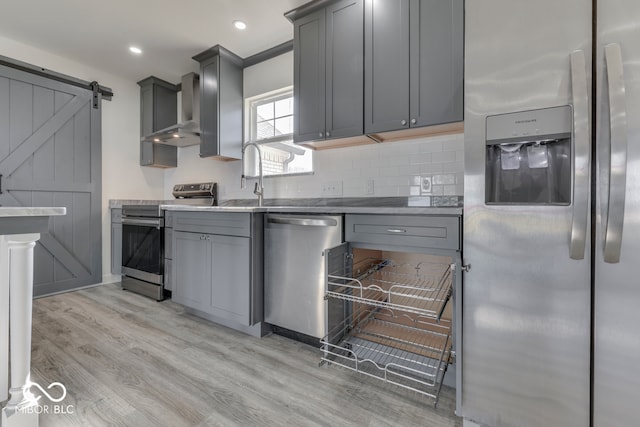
{"points": [[142, 249]]}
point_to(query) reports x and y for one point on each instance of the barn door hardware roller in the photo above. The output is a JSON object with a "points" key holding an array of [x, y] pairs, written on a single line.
{"points": [[95, 87]]}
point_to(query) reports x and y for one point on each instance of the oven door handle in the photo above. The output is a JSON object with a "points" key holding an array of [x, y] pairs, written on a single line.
{"points": [[148, 222]]}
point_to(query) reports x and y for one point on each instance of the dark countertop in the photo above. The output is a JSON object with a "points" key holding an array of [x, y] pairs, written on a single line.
{"points": [[418, 205]]}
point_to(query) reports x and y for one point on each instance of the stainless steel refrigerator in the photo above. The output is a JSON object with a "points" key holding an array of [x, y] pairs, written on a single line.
{"points": [[551, 303]]}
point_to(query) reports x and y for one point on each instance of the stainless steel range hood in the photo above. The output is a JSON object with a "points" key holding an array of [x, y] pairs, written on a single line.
{"points": [[188, 131]]}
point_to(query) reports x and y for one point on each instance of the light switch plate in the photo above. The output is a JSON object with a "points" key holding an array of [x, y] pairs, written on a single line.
{"points": [[370, 190]]}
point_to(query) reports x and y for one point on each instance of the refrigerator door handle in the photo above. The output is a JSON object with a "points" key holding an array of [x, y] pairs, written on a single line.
{"points": [[618, 160], [582, 159]]}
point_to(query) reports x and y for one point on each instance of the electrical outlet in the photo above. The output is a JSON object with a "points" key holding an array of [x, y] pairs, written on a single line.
{"points": [[425, 185], [331, 188], [370, 189]]}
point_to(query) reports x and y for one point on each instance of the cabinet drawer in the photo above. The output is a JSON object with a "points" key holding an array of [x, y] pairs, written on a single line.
{"points": [[224, 223], [438, 232]]}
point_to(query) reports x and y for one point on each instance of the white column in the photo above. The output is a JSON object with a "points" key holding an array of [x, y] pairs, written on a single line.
{"points": [[20, 248]]}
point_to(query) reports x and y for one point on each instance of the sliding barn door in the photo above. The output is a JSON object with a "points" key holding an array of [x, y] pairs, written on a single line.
{"points": [[50, 156]]}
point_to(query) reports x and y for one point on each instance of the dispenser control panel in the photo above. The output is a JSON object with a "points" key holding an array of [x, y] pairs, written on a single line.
{"points": [[529, 157]]}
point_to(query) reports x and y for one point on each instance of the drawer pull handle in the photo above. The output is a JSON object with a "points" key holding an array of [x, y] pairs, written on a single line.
{"points": [[396, 230]]}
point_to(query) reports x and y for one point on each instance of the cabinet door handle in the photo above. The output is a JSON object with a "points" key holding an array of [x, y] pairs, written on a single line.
{"points": [[414, 121], [403, 122], [320, 134], [328, 134], [396, 230]]}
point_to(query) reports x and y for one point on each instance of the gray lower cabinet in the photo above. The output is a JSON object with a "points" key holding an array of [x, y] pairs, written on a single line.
{"points": [[212, 274], [413, 63], [116, 241], [328, 72], [217, 267]]}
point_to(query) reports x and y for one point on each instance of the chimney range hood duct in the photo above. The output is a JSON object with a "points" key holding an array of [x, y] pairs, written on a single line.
{"points": [[188, 132]]}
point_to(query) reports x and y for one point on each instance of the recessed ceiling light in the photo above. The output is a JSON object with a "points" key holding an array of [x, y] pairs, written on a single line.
{"points": [[239, 25], [136, 50]]}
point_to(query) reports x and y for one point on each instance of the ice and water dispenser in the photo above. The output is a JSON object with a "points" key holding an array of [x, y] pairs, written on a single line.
{"points": [[528, 157]]}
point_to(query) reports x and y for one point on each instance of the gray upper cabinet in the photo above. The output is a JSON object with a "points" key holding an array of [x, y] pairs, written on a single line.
{"points": [[413, 63], [158, 155], [158, 105], [328, 70], [344, 69], [387, 65], [221, 103], [158, 110], [436, 61], [309, 77]]}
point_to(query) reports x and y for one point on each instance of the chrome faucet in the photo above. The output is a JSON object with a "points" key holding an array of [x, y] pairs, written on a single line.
{"points": [[259, 188]]}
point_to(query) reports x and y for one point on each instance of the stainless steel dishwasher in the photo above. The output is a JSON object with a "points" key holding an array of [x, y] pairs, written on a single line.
{"points": [[295, 272]]}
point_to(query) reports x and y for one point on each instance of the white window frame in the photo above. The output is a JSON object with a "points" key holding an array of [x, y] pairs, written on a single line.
{"points": [[251, 106]]}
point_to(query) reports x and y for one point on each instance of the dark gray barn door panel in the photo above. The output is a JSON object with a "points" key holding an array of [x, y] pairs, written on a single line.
{"points": [[50, 156]]}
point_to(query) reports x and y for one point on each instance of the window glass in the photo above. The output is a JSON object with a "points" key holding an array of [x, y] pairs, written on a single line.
{"points": [[271, 125]]}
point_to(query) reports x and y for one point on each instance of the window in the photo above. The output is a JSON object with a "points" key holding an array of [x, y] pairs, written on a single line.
{"points": [[271, 126]]}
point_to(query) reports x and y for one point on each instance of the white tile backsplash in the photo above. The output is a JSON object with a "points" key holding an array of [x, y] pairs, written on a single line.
{"points": [[444, 179], [393, 166], [443, 157], [420, 158]]}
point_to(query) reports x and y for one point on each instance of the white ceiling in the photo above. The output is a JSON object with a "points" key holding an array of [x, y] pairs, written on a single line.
{"points": [[99, 32]]}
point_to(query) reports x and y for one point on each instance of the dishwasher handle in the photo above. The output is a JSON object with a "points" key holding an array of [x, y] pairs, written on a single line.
{"points": [[303, 221]]}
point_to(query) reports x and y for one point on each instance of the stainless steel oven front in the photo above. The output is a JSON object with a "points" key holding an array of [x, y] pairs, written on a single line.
{"points": [[143, 250]]}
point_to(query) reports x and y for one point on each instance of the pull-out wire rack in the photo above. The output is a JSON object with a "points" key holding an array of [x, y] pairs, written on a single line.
{"points": [[423, 289], [393, 328]]}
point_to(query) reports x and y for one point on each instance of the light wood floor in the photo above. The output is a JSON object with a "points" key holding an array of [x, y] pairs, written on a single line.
{"points": [[127, 360]]}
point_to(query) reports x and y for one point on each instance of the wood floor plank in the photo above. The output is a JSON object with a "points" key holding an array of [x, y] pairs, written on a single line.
{"points": [[130, 361]]}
